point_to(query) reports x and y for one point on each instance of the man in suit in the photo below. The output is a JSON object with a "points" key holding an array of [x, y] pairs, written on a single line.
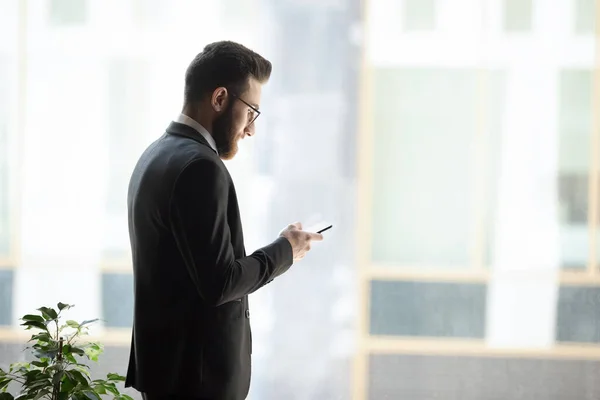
{"points": [[191, 330]]}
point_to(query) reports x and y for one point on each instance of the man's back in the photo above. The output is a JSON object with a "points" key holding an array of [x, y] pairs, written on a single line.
{"points": [[182, 344]]}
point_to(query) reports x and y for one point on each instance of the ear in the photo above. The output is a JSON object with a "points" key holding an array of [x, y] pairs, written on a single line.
{"points": [[219, 99]]}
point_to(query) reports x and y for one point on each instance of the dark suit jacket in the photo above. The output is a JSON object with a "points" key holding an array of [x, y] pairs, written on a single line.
{"points": [[191, 329]]}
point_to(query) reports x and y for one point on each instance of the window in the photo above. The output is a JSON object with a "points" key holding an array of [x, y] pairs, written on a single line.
{"points": [[152, 13], [428, 309], [5, 190], [6, 297], [68, 12], [126, 107], [585, 16], [423, 185], [575, 128], [518, 15], [5, 223], [577, 314], [419, 15], [117, 300]]}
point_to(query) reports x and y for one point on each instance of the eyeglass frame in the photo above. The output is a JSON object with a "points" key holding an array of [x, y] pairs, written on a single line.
{"points": [[256, 110]]}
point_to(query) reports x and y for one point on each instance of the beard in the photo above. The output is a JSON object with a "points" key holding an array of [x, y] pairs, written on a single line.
{"points": [[223, 134]]}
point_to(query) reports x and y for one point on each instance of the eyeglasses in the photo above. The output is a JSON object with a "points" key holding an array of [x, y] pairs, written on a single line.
{"points": [[253, 112]]}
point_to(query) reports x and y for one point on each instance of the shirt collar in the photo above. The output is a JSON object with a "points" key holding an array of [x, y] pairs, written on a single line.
{"points": [[184, 119]]}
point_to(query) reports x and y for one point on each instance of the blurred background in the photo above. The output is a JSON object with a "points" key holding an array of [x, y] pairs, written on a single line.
{"points": [[455, 145]]}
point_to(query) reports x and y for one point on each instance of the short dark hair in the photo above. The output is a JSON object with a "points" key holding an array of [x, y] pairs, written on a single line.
{"points": [[223, 64]]}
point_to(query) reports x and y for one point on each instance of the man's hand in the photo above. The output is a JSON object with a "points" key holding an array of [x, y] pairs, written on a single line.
{"points": [[299, 239]]}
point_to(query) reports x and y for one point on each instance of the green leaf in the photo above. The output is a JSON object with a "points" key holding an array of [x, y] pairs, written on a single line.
{"points": [[34, 376], [57, 378], [35, 324], [6, 396], [71, 349], [112, 388], [100, 389], [19, 366], [40, 384], [93, 351], [115, 377], [31, 317], [89, 321], [92, 395], [49, 314], [73, 324], [70, 358], [83, 369], [69, 382], [51, 354], [40, 364], [63, 306], [4, 382], [42, 337], [79, 377], [125, 397], [41, 394]]}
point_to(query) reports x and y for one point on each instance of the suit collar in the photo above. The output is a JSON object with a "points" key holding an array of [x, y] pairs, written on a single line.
{"points": [[179, 129]]}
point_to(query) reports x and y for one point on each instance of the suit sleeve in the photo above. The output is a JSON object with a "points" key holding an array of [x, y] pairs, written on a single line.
{"points": [[199, 223]]}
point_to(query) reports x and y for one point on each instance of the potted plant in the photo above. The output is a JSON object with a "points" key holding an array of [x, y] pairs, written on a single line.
{"points": [[61, 369]]}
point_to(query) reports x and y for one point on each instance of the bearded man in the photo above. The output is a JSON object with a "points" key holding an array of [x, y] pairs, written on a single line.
{"points": [[191, 331]]}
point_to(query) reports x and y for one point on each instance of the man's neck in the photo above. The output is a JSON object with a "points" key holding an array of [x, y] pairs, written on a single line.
{"points": [[196, 115]]}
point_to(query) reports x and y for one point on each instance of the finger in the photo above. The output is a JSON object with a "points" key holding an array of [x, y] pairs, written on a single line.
{"points": [[315, 236], [294, 226], [298, 225]]}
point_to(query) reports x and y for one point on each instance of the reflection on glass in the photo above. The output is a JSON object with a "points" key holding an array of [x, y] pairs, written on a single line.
{"points": [[575, 127]]}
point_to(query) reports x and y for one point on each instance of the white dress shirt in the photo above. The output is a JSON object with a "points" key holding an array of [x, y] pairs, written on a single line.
{"points": [[184, 119]]}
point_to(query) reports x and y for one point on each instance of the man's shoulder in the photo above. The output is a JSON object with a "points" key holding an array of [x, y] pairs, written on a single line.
{"points": [[169, 156], [175, 152]]}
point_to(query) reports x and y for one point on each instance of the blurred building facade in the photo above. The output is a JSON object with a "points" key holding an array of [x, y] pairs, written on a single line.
{"points": [[478, 195]]}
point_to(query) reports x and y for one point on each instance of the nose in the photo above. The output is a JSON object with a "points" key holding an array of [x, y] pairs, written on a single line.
{"points": [[249, 131]]}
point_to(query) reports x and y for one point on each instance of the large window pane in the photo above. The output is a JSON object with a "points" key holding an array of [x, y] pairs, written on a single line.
{"points": [[6, 297], [429, 309], [426, 126], [585, 16], [419, 15], [5, 223], [68, 12], [126, 106], [578, 314], [518, 15], [575, 127]]}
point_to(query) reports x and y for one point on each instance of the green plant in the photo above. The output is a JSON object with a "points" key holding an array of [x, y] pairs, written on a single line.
{"points": [[60, 371]]}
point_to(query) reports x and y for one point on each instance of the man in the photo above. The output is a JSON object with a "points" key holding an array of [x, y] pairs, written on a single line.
{"points": [[191, 330]]}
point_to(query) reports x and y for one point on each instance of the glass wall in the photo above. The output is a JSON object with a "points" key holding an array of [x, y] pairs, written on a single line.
{"points": [[455, 145], [479, 201]]}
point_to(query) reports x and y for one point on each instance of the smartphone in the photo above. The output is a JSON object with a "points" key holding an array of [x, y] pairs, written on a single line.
{"points": [[325, 229]]}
